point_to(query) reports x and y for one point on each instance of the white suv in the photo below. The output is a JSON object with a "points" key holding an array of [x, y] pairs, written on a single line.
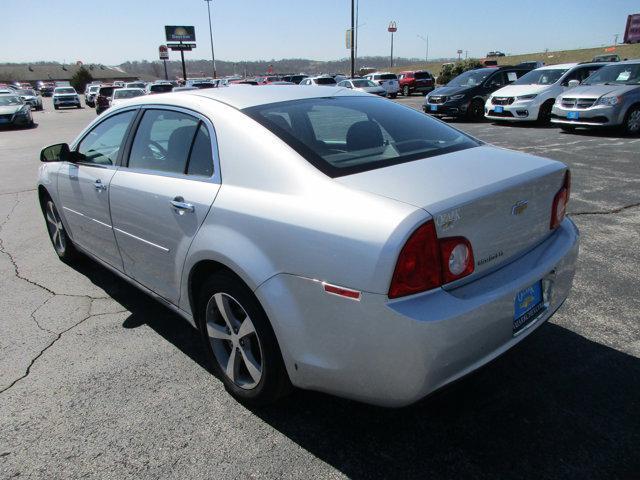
{"points": [[531, 97], [65, 97], [387, 80]]}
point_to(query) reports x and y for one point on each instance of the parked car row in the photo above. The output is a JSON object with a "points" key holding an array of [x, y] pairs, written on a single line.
{"points": [[593, 94]]}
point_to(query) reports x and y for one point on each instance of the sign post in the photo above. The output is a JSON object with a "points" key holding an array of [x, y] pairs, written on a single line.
{"points": [[393, 27], [181, 34], [164, 56]]}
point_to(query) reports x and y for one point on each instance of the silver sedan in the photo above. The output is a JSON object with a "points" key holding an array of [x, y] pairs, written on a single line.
{"points": [[318, 237], [363, 85]]}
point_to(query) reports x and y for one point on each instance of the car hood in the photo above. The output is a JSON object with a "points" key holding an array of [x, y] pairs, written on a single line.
{"points": [[9, 109], [519, 90], [597, 91], [449, 91]]}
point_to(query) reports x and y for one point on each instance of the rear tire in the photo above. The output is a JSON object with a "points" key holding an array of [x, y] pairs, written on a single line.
{"points": [[240, 342], [405, 91], [55, 107], [62, 244], [632, 121], [393, 95]]}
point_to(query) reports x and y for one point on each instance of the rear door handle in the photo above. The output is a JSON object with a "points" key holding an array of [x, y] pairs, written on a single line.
{"points": [[181, 206], [99, 186]]}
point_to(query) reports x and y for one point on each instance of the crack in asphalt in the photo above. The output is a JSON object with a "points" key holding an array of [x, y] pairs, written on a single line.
{"points": [[58, 336], [607, 212], [18, 192]]}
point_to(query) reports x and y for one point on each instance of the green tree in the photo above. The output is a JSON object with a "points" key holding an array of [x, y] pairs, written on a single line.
{"points": [[80, 79], [450, 71]]}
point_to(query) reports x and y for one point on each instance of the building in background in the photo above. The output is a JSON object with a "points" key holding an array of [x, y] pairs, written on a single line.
{"points": [[58, 72]]}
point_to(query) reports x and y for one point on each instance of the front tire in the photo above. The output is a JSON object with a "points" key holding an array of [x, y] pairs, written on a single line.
{"points": [[544, 114], [568, 128], [405, 91], [240, 342], [632, 121], [476, 110], [393, 95], [62, 245]]}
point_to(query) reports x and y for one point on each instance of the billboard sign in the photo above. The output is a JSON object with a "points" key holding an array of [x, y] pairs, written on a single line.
{"points": [[164, 52], [181, 46], [632, 32], [180, 33]]}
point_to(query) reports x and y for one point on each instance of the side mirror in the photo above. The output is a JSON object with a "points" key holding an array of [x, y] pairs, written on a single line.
{"points": [[56, 153], [573, 83]]}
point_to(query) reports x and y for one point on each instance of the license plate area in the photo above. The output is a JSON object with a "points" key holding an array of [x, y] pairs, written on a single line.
{"points": [[573, 115], [528, 305], [498, 109], [434, 108]]}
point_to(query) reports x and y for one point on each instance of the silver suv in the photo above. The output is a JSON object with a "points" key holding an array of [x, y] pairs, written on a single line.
{"points": [[608, 98]]}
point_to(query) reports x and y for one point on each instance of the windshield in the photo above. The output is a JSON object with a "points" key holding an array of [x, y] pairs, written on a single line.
{"points": [[325, 81], [107, 91], [65, 90], [422, 75], [541, 77], [26, 93], [387, 76], [9, 100], [354, 134], [471, 78], [135, 85], [363, 83], [128, 93], [616, 75]]}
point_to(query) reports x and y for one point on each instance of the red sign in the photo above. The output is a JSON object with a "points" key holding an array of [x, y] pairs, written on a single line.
{"points": [[632, 32], [393, 27], [164, 52]]}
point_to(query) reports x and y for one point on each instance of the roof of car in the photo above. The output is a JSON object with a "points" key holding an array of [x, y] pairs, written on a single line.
{"points": [[240, 97], [558, 66]]}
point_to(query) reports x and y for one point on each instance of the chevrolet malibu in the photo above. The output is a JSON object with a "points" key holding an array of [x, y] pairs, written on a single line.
{"points": [[318, 237]]}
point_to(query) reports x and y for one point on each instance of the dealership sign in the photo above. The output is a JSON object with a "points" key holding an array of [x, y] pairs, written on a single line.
{"points": [[180, 33], [181, 46], [164, 52]]}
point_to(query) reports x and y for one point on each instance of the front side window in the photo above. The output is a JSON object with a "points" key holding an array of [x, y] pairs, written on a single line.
{"points": [[172, 142], [102, 144], [345, 135]]}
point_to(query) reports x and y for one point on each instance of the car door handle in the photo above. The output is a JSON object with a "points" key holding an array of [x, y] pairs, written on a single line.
{"points": [[99, 185], [181, 206]]}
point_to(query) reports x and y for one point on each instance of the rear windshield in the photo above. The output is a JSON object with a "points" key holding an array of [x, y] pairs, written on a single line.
{"points": [[107, 91], [65, 90], [162, 88], [422, 75], [325, 81], [387, 76], [541, 77], [126, 93], [345, 135]]}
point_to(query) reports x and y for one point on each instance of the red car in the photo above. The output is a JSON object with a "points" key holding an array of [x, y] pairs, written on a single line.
{"points": [[419, 81]]}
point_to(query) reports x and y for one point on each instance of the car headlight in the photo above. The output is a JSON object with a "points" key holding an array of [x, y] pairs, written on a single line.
{"points": [[460, 96], [527, 97], [24, 110], [610, 101]]}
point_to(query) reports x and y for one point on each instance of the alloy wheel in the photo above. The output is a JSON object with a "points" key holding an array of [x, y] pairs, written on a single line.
{"points": [[234, 341], [56, 229], [633, 123]]}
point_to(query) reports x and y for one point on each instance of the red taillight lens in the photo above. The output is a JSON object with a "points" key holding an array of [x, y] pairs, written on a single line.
{"points": [[418, 266], [425, 262], [457, 258], [560, 202]]}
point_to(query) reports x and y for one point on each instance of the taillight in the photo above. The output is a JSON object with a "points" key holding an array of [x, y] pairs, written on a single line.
{"points": [[560, 202], [426, 262]]}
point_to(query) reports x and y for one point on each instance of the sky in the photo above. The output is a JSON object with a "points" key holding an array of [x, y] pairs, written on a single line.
{"points": [[114, 31]]}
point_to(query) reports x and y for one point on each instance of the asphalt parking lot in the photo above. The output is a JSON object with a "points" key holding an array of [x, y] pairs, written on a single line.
{"points": [[100, 381]]}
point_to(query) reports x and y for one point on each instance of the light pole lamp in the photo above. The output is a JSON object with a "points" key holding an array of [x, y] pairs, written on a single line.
{"points": [[213, 55]]}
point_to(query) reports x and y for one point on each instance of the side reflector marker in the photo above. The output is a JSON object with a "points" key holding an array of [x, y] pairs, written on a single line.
{"points": [[342, 291]]}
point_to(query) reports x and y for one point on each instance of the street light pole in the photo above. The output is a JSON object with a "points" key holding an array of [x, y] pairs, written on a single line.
{"points": [[213, 56], [425, 40], [353, 58], [392, 28]]}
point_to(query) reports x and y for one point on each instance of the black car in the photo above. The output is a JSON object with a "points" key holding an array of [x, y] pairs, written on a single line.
{"points": [[465, 95], [294, 78]]}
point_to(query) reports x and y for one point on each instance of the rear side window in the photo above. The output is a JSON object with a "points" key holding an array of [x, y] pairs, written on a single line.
{"points": [[325, 81], [102, 144], [201, 158], [345, 135]]}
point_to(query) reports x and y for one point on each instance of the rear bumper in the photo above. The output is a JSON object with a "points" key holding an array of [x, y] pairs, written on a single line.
{"points": [[393, 353]]}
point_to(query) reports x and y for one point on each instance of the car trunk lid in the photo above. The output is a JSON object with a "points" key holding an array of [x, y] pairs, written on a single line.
{"points": [[499, 200]]}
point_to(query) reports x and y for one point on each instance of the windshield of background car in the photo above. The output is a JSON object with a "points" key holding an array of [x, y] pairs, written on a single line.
{"points": [[9, 100], [162, 88], [388, 76], [471, 78], [541, 77], [26, 93], [345, 135], [65, 90], [628, 74], [363, 83], [127, 93], [422, 75], [107, 91], [325, 81]]}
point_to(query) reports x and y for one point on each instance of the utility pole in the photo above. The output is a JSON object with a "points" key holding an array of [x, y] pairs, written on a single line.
{"points": [[353, 54], [355, 61], [213, 56], [425, 40], [615, 39]]}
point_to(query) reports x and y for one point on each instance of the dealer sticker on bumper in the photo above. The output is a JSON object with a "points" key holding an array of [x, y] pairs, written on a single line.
{"points": [[573, 115], [498, 109], [528, 304]]}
